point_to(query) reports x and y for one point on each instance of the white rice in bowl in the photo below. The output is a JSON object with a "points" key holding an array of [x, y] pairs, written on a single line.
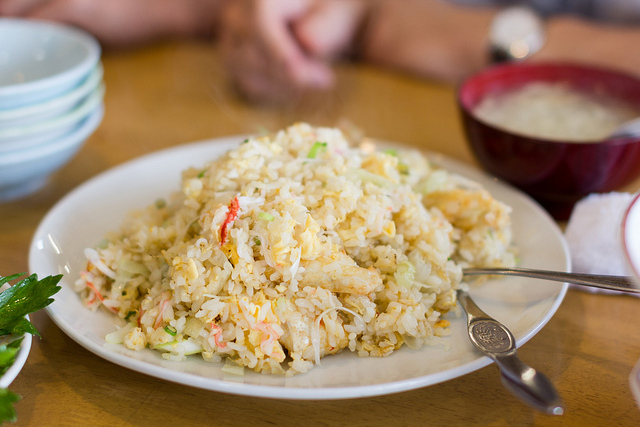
{"points": [[295, 246]]}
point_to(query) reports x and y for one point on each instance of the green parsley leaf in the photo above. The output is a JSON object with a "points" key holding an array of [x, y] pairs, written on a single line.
{"points": [[26, 296], [7, 410], [8, 354]]}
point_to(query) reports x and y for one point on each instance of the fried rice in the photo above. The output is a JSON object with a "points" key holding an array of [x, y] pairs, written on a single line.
{"points": [[295, 246]]}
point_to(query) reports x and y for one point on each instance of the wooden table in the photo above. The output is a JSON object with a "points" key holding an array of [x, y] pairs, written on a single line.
{"points": [[176, 93]]}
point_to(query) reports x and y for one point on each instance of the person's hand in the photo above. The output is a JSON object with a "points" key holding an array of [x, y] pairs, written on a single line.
{"points": [[118, 23], [276, 49]]}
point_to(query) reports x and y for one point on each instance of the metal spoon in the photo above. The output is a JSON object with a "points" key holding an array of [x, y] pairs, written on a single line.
{"points": [[615, 283], [496, 341], [628, 129]]}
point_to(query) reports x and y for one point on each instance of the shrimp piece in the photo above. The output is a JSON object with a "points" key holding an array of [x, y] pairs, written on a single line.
{"points": [[339, 273]]}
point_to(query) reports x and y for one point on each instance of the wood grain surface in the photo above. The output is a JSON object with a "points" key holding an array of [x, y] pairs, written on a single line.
{"points": [[175, 93]]}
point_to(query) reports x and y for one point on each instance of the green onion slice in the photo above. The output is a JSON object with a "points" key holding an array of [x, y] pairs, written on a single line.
{"points": [[318, 147], [266, 216]]}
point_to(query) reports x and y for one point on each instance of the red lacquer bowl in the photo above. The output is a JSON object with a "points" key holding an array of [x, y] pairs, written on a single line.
{"points": [[555, 173]]}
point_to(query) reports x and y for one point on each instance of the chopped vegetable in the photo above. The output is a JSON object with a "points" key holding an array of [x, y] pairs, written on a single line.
{"points": [[436, 181], [405, 274], [180, 347], [170, 330], [403, 168], [266, 216], [128, 268], [365, 176], [231, 367], [317, 148], [201, 174], [117, 337], [193, 327]]}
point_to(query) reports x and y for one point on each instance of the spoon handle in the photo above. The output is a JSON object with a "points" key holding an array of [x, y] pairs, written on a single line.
{"points": [[496, 341], [615, 283]]}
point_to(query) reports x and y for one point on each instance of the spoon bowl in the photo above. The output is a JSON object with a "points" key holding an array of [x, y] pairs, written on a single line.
{"points": [[629, 129]]}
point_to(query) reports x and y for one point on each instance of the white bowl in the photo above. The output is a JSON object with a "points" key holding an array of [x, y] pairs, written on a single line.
{"points": [[21, 358], [32, 135], [52, 107], [26, 171], [40, 60]]}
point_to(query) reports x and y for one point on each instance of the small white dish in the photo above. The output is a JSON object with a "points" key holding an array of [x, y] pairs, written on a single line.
{"points": [[631, 237], [32, 136], [40, 60], [53, 107], [26, 171], [631, 247], [18, 364], [634, 382], [82, 218]]}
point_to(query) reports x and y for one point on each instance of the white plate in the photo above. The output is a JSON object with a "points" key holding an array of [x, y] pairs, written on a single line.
{"points": [[18, 364], [81, 219]]}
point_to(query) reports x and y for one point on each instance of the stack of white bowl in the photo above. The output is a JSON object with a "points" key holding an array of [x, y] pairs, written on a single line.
{"points": [[51, 100]]}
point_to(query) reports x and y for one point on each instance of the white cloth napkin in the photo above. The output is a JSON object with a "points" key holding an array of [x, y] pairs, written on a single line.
{"points": [[593, 234]]}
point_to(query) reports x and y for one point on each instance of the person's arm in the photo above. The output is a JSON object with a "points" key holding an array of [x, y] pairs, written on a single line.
{"points": [[577, 40], [121, 23], [433, 39], [448, 41], [277, 48]]}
